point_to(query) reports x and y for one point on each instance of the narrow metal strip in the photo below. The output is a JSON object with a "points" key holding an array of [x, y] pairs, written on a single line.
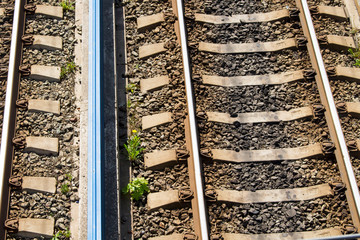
{"points": [[276, 195], [156, 120], [238, 81], [312, 150], [284, 236], [195, 168], [177, 32], [259, 117], [244, 18], [9, 117], [248, 47], [174, 7]]}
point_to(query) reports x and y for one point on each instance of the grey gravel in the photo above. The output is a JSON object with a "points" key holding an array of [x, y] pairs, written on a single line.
{"points": [[170, 98], [310, 215]]}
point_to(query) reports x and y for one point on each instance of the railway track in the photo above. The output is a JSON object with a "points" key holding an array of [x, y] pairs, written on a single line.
{"points": [[5, 46], [39, 150], [257, 148]]}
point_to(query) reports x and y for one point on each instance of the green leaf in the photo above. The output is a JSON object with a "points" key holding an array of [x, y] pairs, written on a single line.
{"points": [[137, 188], [355, 55], [133, 146], [56, 236]]}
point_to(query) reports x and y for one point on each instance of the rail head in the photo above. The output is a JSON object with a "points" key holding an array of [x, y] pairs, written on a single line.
{"points": [[6, 150], [334, 121], [202, 215]]}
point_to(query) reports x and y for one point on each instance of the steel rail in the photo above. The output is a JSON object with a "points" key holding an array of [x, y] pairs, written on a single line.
{"points": [[200, 201], [116, 115], [9, 121], [337, 135]]}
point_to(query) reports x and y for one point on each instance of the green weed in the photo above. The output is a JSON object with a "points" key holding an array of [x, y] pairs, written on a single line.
{"points": [[356, 56], [56, 236], [65, 188], [67, 5], [67, 233], [133, 146], [136, 188], [70, 67], [354, 31], [69, 176], [62, 234], [131, 87]]}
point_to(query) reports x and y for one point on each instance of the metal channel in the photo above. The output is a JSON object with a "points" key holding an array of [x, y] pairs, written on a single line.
{"points": [[196, 171], [117, 139], [95, 121], [13, 79], [341, 152]]}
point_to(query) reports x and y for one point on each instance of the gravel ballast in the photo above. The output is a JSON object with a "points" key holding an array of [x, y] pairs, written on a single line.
{"points": [[64, 166]]}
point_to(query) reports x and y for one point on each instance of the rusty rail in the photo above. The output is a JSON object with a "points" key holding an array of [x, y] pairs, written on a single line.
{"points": [[9, 123], [194, 161], [331, 115]]}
